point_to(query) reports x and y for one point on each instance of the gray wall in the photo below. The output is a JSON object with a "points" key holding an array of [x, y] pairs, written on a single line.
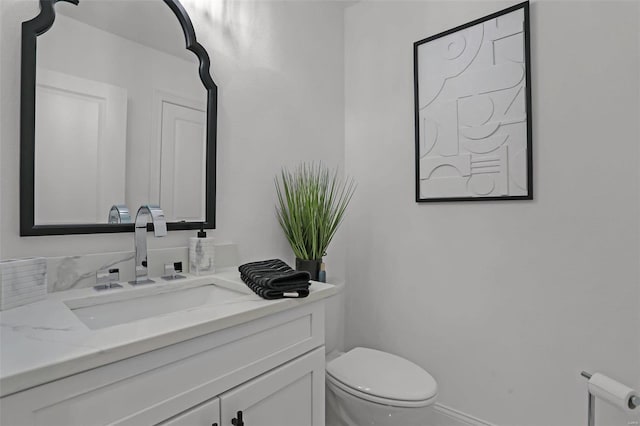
{"points": [[504, 302]]}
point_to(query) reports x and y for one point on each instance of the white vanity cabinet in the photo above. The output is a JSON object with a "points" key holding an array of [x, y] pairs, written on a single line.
{"points": [[270, 368]]}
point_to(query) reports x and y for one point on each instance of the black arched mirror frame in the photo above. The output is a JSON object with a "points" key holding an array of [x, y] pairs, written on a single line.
{"points": [[30, 31]]}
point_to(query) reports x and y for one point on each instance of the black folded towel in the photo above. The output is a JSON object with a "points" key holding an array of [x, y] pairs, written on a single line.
{"points": [[266, 293], [274, 279]]}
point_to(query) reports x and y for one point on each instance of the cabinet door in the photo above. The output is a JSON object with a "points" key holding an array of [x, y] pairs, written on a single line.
{"points": [[205, 414], [289, 395]]}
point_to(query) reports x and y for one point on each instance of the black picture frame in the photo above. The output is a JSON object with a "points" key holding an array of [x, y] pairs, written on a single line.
{"points": [[39, 25], [529, 150]]}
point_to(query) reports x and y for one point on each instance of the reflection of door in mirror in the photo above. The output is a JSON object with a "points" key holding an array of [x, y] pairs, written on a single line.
{"points": [[81, 132], [179, 162], [122, 118]]}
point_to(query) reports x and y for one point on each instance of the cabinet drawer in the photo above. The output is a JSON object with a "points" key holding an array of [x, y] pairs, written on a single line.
{"points": [[154, 386]]}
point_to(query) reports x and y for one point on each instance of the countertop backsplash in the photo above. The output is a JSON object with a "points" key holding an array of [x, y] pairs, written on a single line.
{"points": [[73, 272]]}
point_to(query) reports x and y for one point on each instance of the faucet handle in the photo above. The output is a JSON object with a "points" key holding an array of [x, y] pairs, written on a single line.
{"points": [[107, 278], [172, 271], [169, 270]]}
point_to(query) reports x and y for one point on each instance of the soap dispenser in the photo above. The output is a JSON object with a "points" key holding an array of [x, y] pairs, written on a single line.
{"points": [[202, 254]]}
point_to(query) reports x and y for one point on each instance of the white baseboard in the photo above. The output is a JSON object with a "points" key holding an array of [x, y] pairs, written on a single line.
{"points": [[459, 416]]}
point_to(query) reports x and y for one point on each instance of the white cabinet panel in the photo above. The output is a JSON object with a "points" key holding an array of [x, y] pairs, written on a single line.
{"points": [[206, 414], [289, 395]]}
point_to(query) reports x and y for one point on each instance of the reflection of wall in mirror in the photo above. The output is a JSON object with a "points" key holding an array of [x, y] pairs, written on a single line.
{"points": [[75, 48]]}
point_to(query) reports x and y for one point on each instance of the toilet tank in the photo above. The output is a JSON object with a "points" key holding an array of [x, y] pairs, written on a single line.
{"points": [[334, 320]]}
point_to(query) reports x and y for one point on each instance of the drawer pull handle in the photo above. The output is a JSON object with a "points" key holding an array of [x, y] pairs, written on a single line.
{"points": [[238, 421]]}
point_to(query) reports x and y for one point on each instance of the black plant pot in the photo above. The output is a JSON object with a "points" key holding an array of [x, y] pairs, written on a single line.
{"points": [[311, 266]]}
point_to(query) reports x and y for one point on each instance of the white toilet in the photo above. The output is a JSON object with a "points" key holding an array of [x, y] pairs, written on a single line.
{"points": [[367, 387]]}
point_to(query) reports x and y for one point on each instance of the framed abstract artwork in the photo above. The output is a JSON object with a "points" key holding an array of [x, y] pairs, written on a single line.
{"points": [[472, 88]]}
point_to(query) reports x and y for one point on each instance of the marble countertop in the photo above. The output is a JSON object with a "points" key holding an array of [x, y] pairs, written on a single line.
{"points": [[46, 341]]}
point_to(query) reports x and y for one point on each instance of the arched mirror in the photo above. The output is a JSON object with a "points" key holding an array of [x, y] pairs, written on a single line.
{"points": [[118, 109]]}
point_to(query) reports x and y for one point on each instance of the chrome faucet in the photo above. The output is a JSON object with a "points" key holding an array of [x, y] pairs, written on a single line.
{"points": [[160, 230], [119, 213]]}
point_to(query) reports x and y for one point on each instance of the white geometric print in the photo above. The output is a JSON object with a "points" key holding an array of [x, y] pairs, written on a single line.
{"points": [[472, 111]]}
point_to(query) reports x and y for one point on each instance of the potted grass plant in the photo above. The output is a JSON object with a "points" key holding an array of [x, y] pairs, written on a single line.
{"points": [[311, 205]]}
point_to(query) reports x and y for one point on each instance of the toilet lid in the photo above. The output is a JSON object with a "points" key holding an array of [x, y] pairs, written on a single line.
{"points": [[382, 375]]}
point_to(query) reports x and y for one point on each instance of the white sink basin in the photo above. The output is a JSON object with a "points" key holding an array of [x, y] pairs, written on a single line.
{"points": [[141, 307]]}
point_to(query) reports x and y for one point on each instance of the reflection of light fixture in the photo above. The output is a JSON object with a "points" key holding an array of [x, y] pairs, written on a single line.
{"points": [[231, 23], [214, 10], [119, 213]]}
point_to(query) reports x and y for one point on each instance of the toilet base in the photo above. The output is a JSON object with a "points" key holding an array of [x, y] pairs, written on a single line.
{"points": [[344, 409], [332, 416]]}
